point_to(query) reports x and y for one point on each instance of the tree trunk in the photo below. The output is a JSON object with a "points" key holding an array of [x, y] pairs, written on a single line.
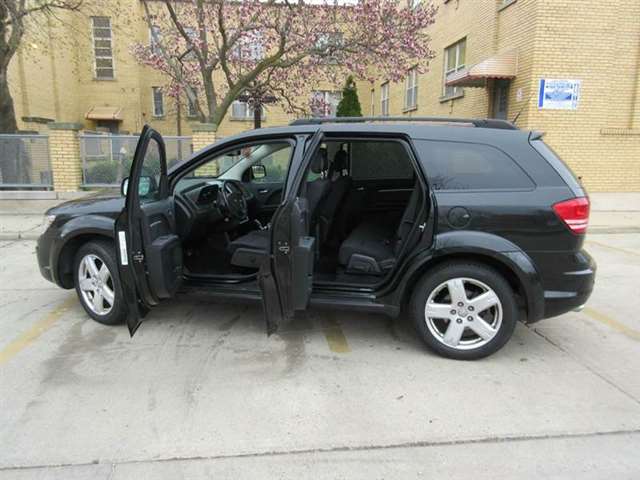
{"points": [[8, 122]]}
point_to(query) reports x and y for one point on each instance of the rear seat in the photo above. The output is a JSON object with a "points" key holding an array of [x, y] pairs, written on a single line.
{"points": [[372, 248]]}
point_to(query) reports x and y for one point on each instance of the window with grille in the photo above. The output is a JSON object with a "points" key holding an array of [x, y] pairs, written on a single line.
{"points": [[411, 96], [454, 61], [158, 102], [102, 48], [384, 99]]}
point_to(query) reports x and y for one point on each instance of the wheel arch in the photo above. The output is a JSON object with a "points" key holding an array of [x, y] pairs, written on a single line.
{"points": [[511, 262], [71, 240]]}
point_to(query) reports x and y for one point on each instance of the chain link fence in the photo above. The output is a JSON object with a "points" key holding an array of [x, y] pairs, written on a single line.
{"points": [[25, 162], [106, 159]]}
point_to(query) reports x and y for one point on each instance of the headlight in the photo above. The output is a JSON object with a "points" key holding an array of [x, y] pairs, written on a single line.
{"points": [[47, 221]]}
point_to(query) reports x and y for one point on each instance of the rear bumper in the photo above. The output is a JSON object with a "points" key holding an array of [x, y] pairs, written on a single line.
{"points": [[571, 289]]}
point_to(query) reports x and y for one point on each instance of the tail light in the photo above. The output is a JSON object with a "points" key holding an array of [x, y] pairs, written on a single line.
{"points": [[574, 213]]}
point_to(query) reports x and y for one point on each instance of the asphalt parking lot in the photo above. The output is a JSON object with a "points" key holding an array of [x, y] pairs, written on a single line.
{"points": [[202, 392]]}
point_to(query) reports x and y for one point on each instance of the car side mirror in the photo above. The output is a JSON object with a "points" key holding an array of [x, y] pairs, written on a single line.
{"points": [[258, 171], [147, 184]]}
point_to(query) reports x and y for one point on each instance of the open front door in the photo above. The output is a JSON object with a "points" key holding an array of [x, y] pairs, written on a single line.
{"points": [[286, 274], [149, 251]]}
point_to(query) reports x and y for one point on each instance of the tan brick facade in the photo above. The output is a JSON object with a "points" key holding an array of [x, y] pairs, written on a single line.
{"points": [[594, 41], [64, 151]]}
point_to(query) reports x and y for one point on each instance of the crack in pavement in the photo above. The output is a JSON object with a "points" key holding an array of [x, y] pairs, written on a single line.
{"points": [[346, 448]]}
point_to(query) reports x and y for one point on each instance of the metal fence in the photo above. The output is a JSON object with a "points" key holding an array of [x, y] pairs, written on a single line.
{"points": [[25, 162], [106, 159]]}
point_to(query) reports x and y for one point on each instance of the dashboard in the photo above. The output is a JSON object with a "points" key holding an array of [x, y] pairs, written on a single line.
{"points": [[201, 205]]}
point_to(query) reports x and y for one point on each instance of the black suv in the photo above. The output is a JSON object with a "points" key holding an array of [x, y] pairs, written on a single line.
{"points": [[470, 225]]}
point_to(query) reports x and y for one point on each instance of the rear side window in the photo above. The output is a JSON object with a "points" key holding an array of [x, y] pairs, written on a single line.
{"points": [[470, 166], [380, 160]]}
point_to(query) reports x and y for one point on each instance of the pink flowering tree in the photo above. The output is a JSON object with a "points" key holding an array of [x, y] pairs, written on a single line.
{"points": [[216, 51]]}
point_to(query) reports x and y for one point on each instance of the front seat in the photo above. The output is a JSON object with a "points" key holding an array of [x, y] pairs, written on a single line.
{"points": [[249, 249], [373, 249]]}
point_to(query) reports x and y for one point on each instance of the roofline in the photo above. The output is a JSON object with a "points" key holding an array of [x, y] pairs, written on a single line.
{"points": [[476, 122]]}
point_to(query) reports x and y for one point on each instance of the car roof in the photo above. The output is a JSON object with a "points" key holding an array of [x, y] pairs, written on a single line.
{"points": [[417, 130]]}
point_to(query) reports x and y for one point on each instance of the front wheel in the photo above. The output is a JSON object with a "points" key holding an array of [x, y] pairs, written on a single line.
{"points": [[98, 284], [464, 311]]}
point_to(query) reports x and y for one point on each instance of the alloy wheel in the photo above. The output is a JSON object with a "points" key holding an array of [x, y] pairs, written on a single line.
{"points": [[463, 313], [96, 284]]}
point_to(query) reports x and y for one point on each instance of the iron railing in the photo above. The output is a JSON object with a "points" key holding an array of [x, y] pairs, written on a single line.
{"points": [[25, 162], [106, 159]]}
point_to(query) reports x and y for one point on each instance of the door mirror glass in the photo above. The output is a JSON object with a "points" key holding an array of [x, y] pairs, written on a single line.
{"points": [[258, 171], [146, 186]]}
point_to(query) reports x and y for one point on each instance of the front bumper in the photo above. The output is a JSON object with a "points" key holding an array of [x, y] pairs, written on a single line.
{"points": [[43, 251]]}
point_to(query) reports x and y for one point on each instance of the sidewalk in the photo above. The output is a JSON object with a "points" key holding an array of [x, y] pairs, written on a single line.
{"points": [[610, 213]]}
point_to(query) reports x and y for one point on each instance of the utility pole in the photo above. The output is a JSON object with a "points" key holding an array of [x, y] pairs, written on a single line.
{"points": [[256, 97]]}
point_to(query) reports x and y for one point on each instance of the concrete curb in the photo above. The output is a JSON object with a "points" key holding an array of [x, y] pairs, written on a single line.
{"points": [[12, 236]]}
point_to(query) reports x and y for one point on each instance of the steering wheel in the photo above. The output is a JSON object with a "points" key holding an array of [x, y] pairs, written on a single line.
{"points": [[233, 202]]}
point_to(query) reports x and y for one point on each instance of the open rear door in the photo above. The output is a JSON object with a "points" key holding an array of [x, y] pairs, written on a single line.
{"points": [[286, 275], [149, 251]]}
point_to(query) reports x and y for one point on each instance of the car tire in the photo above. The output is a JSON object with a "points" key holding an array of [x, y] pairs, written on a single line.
{"points": [[469, 326], [100, 295]]}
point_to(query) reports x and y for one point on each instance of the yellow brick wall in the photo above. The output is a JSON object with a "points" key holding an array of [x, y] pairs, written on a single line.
{"points": [[64, 151], [597, 42]]}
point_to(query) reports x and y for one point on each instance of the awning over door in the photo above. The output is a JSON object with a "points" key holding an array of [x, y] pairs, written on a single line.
{"points": [[501, 66], [104, 113]]}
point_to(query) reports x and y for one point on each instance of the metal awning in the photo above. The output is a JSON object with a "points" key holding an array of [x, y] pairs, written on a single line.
{"points": [[104, 113], [501, 66]]}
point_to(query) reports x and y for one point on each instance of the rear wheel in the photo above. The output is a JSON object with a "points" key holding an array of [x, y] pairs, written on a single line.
{"points": [[464, 311], [97, 283]]}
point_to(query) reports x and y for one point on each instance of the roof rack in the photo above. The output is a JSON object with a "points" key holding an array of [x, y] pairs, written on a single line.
{"points": [[476, 122]]}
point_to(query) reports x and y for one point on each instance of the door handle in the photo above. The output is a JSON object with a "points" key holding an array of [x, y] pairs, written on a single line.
{"points": [[263, 190]]}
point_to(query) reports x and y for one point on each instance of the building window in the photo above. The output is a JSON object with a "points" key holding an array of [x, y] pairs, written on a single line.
{"points": [[102, 48], [243, 111], [327, 43], [384, 99], [453, 62], [158, 102], [411, 93], [250, 48], [192, 107], [324, 103], [155, 38]]}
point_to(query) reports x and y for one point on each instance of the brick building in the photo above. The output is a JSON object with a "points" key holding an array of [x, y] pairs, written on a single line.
{"points": [[570, 68], [490, 59]]}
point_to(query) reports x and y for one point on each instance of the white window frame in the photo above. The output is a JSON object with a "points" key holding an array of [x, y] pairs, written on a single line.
{"points": [[248, 111], [330, 110], [93, 43], [448, 92], [154, 40], [153, 102], [384, 99], [411, 89]]}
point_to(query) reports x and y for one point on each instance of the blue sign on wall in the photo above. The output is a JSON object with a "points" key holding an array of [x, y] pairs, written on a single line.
{"points": [[559, 94]]}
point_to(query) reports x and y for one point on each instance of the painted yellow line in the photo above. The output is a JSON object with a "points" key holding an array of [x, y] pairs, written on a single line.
{"points": [[616, 325], [35, 331], [335, 336], [617, 249]]}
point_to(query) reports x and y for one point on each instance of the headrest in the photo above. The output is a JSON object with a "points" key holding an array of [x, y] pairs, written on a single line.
{"points": [[340, 161], [319, 162]]}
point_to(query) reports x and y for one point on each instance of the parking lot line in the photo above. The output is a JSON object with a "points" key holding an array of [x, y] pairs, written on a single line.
{"points": [[335, 336], [35, 331], [616, 325]]}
